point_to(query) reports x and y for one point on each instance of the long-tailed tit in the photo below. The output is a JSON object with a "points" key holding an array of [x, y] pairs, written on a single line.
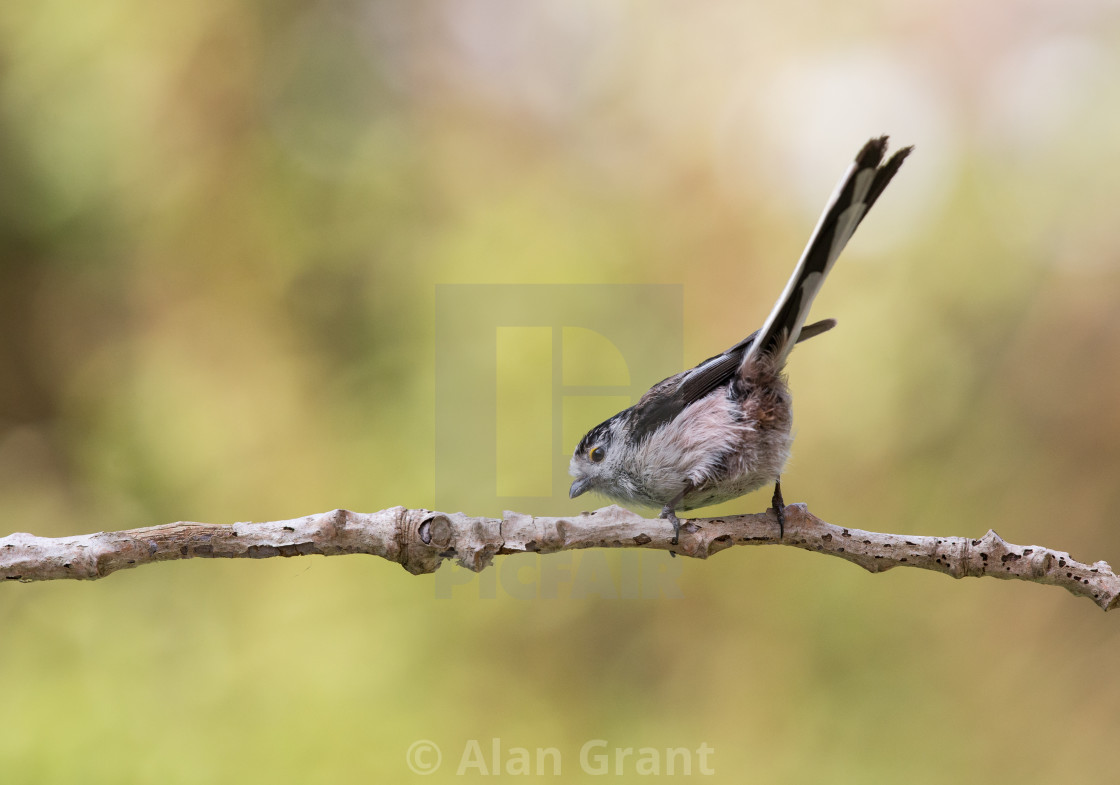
{"points": [[722, 429]]}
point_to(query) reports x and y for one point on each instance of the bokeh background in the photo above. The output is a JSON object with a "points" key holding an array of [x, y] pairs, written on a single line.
{"points": [[222, 226]]}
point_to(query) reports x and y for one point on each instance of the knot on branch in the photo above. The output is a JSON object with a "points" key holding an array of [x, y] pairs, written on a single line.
{"points": [[426, 538]]}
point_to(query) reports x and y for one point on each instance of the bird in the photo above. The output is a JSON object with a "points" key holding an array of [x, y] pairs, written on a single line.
{"points": [[722, 429]]}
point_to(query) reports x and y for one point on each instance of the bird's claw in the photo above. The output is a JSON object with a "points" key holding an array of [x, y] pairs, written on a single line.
{"points": [[668, 513], [779, 508]]}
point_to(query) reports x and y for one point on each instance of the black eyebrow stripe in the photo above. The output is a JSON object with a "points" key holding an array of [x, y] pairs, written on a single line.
{"points": [[596, 434]]}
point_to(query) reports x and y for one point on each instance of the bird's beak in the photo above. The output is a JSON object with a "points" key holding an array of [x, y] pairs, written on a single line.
{"points": [[581, 486]]}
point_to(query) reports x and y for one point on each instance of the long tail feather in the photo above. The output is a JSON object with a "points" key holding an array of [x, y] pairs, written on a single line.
{"points": [[857, 190]]}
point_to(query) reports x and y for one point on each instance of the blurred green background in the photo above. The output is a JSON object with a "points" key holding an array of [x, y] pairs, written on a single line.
{"points": [[222, 224]]}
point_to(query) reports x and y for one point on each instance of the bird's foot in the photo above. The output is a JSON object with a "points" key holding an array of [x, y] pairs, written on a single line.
{"points": [[668, 513], [779, 508]]}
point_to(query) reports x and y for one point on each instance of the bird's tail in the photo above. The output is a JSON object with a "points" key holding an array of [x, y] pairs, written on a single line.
{"points": [[855, 193]]}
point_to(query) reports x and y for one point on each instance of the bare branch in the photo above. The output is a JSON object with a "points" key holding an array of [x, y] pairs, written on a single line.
{"points": [[420, 540]]}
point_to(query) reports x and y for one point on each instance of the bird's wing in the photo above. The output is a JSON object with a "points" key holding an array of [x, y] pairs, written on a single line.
{"points": [[668, 398]]}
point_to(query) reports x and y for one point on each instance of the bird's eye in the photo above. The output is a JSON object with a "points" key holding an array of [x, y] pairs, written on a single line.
{"points": [[597, 454]]}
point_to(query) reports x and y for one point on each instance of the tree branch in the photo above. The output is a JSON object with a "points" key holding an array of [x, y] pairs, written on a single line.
{"points": [[420, 540]]}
